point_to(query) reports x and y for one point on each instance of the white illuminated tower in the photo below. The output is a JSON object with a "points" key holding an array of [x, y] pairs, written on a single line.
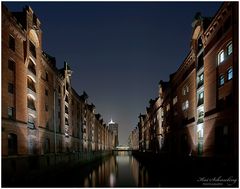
{"points": [[114, 128]]}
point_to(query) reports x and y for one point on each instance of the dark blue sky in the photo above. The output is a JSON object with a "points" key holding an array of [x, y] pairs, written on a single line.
{"points": [[118, 51]]}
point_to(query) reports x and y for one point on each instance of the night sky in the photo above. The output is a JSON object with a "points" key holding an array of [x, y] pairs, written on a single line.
{"points": [[118, 51]]}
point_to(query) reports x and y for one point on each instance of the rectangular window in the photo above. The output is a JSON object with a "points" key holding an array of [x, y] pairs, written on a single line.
{"points": [[221, 80], [201, 95], [200, 80], [229, 49], [184, 91], [229, 74], [200, 116], [11, 112], [220, 56], [46, 92], [32, 49], [11, 65], [11, 43], [31, 122], [186, 104], [10, 88], [200, 98]]}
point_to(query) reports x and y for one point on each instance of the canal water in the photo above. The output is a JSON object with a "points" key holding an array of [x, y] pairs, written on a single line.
{"points": [[122, 169], [119, 170]]}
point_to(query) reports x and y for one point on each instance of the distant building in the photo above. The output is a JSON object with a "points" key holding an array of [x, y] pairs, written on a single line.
{"points": [[133, 140], [114, 128]]}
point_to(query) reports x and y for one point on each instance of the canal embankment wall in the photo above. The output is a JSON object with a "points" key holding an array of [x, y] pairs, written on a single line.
{"points": [[16, 170]]}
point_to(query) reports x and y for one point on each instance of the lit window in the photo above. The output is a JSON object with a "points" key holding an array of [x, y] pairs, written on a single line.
{"points": [[185, 90], [220, 57], [221, 80], [200, 98], [187, 104], [229, 49], [201, 78], [229, 74]]}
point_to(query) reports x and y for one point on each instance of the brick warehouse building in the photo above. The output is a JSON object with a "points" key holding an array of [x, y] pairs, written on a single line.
{"points": [[41, 113], [196, 112]]}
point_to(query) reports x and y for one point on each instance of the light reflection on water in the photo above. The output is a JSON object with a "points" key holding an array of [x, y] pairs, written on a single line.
{"points": [[119, 170]]}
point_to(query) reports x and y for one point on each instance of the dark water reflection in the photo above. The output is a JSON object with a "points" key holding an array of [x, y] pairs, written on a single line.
{"points": [[119, 170]]}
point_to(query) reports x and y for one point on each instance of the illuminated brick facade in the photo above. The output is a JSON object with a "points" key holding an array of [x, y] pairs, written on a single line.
{"points": [[41, 112], [198, 106]]}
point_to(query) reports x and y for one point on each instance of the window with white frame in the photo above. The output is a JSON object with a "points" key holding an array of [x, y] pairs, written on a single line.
{"points": [[220, 56], [230, 74], [185, 90], [185, 105], [229, 49], [200, 98], [221, 80]]}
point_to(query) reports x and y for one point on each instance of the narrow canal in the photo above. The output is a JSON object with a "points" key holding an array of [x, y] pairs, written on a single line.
{"points": [[118, 170], [122, 169]]}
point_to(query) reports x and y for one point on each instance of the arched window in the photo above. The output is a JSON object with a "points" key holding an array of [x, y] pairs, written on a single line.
{"points": [[12, 144], [31, 67], [31, 103], [31, 84]]}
